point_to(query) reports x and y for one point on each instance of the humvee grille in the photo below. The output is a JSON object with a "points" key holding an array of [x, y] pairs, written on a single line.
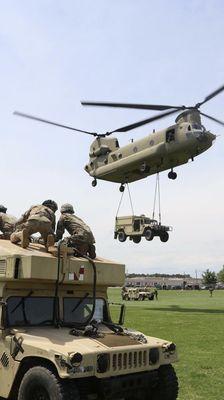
{"points": [[130, 360], [4, 360], [2, 267]]}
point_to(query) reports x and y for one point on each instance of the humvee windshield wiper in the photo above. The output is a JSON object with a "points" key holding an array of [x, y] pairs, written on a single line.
{"points": [[80, 302], [114, 327], [22, 303]]}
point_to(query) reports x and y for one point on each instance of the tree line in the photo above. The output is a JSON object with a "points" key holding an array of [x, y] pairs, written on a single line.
{"points": [[211, 278]]}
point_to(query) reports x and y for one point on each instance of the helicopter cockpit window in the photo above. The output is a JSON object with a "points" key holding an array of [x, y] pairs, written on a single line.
{"points": [[189, 128], [117, 144], [170, 135], [197, 126]]}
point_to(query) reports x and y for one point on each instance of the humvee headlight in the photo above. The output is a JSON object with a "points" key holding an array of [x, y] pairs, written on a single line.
{"points": [[103, 362], [171, 348], [153, 355], [76, 359]]}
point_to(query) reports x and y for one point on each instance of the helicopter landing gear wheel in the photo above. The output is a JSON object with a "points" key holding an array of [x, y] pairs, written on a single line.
{"points": [[121, 188], [172, 175], [94, 182]]}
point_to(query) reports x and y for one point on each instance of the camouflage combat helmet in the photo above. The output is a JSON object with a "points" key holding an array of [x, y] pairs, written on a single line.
{"points": [[3, 208], [51, 204], [67, 208]]}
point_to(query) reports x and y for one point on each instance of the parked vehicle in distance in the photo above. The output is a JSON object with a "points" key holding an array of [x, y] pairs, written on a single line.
{"points": [[136, 227], [136, 293]]}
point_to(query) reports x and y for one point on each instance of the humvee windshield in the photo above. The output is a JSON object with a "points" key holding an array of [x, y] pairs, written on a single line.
{"points": [[36, 311], [146, 221]]}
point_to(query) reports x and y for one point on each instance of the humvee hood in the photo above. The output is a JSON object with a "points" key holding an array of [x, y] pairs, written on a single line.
{"points": [[60, 340]]}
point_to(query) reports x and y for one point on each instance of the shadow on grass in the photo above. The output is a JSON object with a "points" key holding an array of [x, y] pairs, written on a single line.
{"points": [[176, 308]]}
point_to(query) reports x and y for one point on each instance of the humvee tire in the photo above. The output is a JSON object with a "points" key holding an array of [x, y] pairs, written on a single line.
{"points": [[149, 234], [164, 237], [151, 296], [41, 383], [121, 236], [167, 388], [136, 239]]}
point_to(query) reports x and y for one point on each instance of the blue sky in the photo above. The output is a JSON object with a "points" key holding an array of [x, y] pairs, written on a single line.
{"points": [[53, 54]]}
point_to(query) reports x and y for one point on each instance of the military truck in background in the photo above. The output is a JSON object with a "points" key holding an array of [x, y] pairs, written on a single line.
{"points": [[137, 293], [136, 227], [57, 337]]}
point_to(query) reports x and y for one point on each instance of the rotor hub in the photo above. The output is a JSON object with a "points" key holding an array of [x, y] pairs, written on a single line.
{"points": [[191, 115]]}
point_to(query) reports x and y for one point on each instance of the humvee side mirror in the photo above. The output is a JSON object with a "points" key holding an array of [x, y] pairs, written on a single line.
{"points": [[3, 318], [117, 313]]}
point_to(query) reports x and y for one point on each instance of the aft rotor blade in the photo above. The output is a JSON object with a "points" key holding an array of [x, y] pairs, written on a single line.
{"points": [[144, 122], [210, 96], [158, 107], [20, 114], [212, 118]]}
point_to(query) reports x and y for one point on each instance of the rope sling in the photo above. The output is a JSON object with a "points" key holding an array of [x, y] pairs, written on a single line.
{"points": [[121, 199], [157, 193], [156, 196]]}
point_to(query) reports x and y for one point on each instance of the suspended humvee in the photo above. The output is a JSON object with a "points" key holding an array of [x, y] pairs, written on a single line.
{"points": [[57, 337]]}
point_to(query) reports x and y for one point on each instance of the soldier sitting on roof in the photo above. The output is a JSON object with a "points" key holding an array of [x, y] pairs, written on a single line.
{"points": [[81, 237], [38, 219], [7, 223]]}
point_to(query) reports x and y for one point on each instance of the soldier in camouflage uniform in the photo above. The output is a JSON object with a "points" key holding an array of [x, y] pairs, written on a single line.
{"points": [[7, 223], [38, 219], [81, 237]]}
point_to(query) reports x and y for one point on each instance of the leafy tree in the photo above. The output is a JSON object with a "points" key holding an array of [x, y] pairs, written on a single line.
{"points": [[209, 277], [220, 275]]}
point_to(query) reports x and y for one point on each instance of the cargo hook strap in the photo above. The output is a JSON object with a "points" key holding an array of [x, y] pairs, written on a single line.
{"points": [[157, 192], [121, 199]]}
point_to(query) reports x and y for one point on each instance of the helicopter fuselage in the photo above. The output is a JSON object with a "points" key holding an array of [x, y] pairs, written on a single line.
{"points": [[158, 151]]}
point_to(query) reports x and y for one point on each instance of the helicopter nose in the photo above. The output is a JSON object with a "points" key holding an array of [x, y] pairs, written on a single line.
{"points": [[210, 136]]}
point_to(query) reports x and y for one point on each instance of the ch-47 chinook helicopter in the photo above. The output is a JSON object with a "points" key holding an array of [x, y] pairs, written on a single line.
{"points": [[156, 152]]}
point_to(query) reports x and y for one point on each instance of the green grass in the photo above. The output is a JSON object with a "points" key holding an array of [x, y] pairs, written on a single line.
{"points": [[195, 322]]}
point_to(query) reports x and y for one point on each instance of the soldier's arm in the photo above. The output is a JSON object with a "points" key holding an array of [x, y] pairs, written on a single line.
{"points": [[23, 218], [60, 229], [53, 223]]}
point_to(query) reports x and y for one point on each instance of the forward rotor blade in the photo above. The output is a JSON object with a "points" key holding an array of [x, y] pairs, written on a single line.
{"points": [[20, 114], [210, 96], [130, 105], [144, 122], [212, 118]]}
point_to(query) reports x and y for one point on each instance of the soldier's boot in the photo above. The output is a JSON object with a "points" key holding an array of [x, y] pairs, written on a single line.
{"points": [[50, 241], [92, 251], [25, 240]]}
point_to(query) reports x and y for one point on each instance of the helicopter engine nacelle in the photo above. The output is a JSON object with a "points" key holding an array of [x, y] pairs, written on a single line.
{"points": [[99, 150]]}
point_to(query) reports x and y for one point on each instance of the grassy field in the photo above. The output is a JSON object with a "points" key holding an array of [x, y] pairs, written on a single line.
{"points": [[195, 322]]}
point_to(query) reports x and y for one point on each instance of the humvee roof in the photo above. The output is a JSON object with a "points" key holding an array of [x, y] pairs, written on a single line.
{"points": [[35, 263]]}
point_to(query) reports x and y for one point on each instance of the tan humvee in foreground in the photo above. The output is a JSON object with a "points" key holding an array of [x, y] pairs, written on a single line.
{"points": [[136, 227], [137, 293], [57, 339]]}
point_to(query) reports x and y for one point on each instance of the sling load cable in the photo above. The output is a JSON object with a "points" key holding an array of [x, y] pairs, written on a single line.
{"points": [[129, 193], [157, 191], [119, 205], [121, 199]]}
